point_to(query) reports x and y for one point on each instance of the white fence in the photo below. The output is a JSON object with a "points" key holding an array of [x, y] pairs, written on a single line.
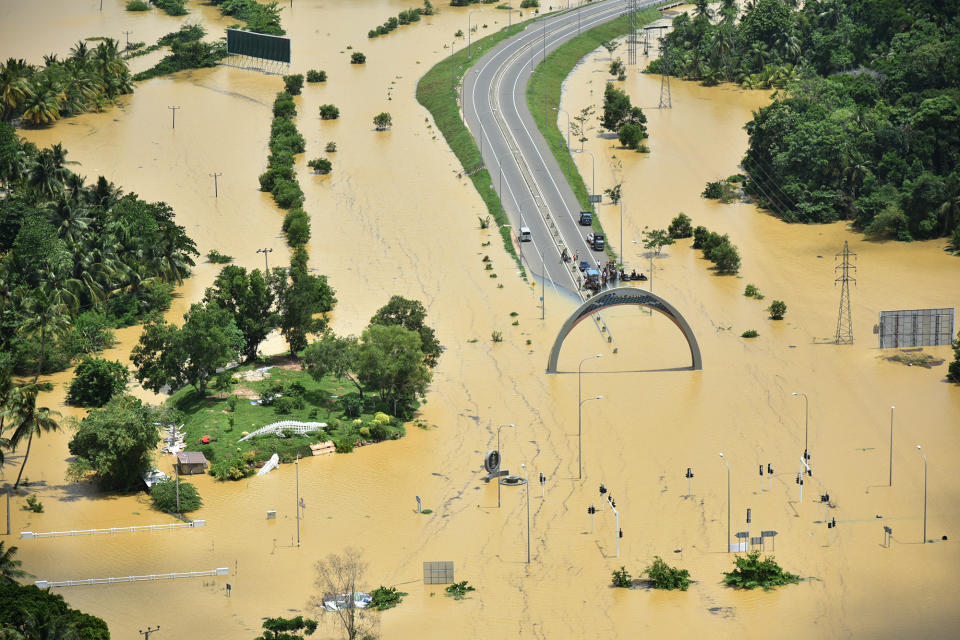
{"points": [[277, 428], [27, 535], [220, 571]]}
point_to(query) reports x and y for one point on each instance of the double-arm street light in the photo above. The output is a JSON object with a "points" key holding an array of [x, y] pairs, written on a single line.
{"points": [[580, 400]]}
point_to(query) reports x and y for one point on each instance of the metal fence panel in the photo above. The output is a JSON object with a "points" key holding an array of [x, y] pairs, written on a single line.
{"points": [[438, 572], [916, 328]]}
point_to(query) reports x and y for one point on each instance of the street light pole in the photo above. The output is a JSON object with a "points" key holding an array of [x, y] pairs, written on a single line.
{"points": [[924, 493], [806, 425], [297, 465], [266, 261], [580, 433], [621, 231], [524, 467], [469, 33], [593, 183], [728, 500], [579, 412], [501, 459], [891, 445]]}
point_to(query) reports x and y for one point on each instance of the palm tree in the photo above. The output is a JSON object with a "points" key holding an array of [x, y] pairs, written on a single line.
{"points": [[14, 85], [42, 106], [26, 420], [43, 316], [80, 52], [9, 568]]}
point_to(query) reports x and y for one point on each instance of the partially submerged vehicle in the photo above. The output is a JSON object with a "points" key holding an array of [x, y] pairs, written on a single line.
{"points": [[338, 601]]}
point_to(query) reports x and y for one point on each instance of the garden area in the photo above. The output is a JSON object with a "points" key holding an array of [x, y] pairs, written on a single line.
{"points": [[252, 396]]}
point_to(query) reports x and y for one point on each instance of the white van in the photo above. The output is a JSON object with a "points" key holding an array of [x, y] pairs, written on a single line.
{"points": [[525, 234]]}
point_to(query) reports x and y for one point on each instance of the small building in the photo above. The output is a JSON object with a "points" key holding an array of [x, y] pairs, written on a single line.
{"points": [[191, 462]]}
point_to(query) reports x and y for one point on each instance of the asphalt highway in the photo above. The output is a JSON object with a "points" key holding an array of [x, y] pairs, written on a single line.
{"points": [[524, 172]]}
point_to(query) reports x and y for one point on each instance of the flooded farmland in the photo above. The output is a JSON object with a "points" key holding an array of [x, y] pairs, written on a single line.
{"points": [[394, 217]]}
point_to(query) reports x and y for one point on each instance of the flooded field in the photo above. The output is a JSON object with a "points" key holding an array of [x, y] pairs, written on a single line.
{"points": [[393, 218]]}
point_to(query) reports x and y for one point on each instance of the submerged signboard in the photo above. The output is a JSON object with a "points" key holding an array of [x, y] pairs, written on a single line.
{"points": [[258, 45]]}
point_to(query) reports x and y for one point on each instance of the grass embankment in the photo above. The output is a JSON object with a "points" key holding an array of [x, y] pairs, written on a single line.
{"points": [[549, 77], [300, 398], [438, 94]]}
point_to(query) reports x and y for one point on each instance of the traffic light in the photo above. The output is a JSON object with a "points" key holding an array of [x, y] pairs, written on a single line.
{"points": [[591, 510], [603, 489], [543, 478], [748, 516], [689, 473], [612, 502], [761, 472], [621, 533], [769, 469]]}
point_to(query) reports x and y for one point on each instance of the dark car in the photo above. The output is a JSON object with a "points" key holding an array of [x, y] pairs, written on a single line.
{"points": [[586, 218], [595, 240], [584, 265]]}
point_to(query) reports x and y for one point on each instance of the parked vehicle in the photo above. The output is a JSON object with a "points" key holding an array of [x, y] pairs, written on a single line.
{"points": [[584, 265], [525, 235], [337, 601], [595, 240], [586, 218]]}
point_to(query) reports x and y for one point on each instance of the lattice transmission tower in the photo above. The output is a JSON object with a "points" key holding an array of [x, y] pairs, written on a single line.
{"points": [[844, 319], [666, 102], [632, 36]]}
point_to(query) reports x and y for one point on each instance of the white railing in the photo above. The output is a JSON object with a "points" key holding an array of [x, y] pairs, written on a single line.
{"points": [[28, 535], [220, 571], [277, 428]]}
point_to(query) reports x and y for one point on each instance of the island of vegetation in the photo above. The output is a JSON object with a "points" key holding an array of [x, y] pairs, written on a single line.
{"points": [[864, 126]]}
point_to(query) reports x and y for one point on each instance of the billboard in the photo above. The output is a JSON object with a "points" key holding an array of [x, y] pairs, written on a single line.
{"points": [[258, 45], [916, 328]]}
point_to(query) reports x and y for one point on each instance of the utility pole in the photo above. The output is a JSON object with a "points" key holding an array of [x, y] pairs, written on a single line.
{"points": [[176, 468], [844, 319], [266, 262], [127, 34], [173, 112], [216, 191], [297, 464], [453, 64], [146, 634]]}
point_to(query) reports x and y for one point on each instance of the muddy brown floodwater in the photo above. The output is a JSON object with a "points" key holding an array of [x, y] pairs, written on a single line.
{"points": [[393, 217]]}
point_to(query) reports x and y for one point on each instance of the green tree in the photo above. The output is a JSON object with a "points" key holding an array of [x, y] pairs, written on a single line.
{"points": [[411, 315], [726, 258], [777, 308], [663, 576], [251, 298], [287, 628], [382, 121], [95, 381], [113, 445], [630, 135], [10, 571], [751, 572], [389, 359], [953, 370], [656, 239], [25, 419], [332, 355], [329, 112], [303, 301], [621, 578], [323, 166], [293, 84], [168, 356], [357, 58], [43, 318], [39, 614], [164, 496], [680, 226], [615, 193]]}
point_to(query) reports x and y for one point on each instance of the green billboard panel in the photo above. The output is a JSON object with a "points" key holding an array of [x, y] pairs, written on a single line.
{"points": [[258, 45]]}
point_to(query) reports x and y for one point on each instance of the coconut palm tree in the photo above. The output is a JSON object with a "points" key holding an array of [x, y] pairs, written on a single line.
{"points": [[9, 568], [14, 86], [68, 218], [44, 317], [26, 420], [42, 106], [80, 52]]}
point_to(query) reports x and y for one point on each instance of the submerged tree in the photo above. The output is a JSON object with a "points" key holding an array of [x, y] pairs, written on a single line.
{"points": [[25, 419], [343, 575]]}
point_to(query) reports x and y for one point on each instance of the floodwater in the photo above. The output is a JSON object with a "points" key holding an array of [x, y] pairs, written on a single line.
{"points": [[393, 217]]}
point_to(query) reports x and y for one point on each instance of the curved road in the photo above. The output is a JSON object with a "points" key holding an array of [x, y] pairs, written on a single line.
{"points": [[524, 172]]}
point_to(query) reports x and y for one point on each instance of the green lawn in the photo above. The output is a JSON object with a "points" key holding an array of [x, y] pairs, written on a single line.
{"points": [[549, 77], [315, 402]]}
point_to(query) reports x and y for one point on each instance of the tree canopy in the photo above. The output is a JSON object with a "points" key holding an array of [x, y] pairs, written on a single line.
{"points": [[113, 445], [38, 614]]}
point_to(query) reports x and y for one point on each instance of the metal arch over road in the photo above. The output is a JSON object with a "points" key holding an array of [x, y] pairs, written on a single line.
{"points": [[529, 181], [629, 296]]}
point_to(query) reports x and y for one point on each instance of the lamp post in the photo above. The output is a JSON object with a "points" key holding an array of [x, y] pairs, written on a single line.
{"points": [[579, 421], [593, 187], [806, 424], [501, 458], [469, 47], [297, 466], [569, 150], [891, 445], [580, 432], [266, 261], [453, 64], [924, 493], [621, 231], [728, 500], [524, 467]]}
